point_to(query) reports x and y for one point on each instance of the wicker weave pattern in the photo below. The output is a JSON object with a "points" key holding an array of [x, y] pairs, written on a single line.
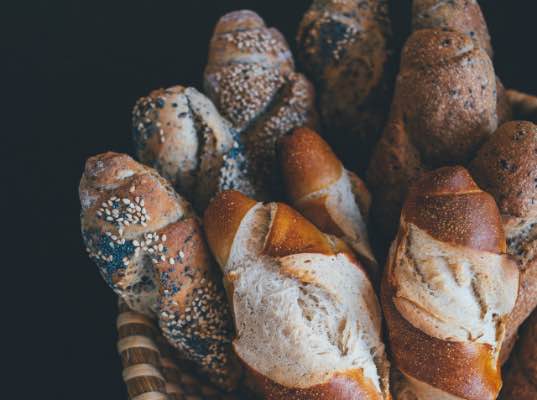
{"points": [[151, 369]]}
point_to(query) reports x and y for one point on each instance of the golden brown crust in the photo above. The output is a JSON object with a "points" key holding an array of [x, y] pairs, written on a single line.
{"points": [[459, 15], [291, 233], [308, 163], [465, 370], [506, 166], [348, 386], [222, 219], [448, 205], [343, 46], [521, 378]]}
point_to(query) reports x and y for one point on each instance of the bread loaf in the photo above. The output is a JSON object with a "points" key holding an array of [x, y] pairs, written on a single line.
{"points": [[179, 132], [521, 378], [459, 15], [250, 77], [445, 105], [448, 289], [149, 247], [344, 48], [506, 167], [307, 318], [334, 199]]}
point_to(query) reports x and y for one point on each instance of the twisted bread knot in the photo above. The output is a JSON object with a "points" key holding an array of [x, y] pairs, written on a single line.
{"points": [[149, 247], [448, 289], [303, 296]]}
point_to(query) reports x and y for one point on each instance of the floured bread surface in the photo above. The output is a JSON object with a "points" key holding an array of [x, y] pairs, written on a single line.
{"points": [[521, 238], [450, 292], [343, 209], [298, 322]]}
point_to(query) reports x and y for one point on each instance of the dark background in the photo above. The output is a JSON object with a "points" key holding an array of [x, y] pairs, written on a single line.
{"points": [[72, 71]]}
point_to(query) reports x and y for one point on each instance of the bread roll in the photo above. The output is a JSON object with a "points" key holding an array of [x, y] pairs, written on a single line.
{"points": [[334, 199], [506, 167], [149, 248], [179, 132], [445, 105], [459, 15], [343, 47], [448, 289], [307, 318], [521, 377], [250, 77]]}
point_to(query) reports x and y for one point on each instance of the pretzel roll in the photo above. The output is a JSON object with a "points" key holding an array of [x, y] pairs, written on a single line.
{"points": [[459, 15], [149, 247], [334, 199], [506, 167], [521, 379], [250, 77], [179, 132], [343, 47], [445, 105], [307, 318], [448, 289]]}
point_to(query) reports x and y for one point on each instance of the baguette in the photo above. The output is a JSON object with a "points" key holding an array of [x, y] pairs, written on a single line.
{"points": [[447, 290], [307, 318], [334, 199], [148, 245]]}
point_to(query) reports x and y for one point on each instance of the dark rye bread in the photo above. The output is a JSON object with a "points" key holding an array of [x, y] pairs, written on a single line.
{"points": [[344, 47], [149, 247], [445, 105], [506, 167], [448, 213], [460, 15]]}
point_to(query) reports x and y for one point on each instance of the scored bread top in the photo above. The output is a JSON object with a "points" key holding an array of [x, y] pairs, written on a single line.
{"points": [[303, 295]]}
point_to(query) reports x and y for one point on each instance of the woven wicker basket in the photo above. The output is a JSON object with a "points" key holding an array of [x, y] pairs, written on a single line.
{"points": [[151, 368]]}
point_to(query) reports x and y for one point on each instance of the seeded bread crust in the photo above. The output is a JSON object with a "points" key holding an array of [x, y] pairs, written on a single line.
{"points": [[459, 15], [149, 247], [251, 79], [179, 132], [344, 48], [445, 105]]}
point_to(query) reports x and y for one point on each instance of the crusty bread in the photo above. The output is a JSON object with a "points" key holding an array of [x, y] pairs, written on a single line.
{"points": [[179, 132], [343, 45], [459, 15], [149, 247], [445, 105], [448, 289], [250, 77], [307, 318], [334, 199], [506, 167], [521, 378]]}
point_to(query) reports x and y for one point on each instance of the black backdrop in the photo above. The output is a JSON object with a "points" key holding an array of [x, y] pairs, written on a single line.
{"points": [[72, 71]]}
